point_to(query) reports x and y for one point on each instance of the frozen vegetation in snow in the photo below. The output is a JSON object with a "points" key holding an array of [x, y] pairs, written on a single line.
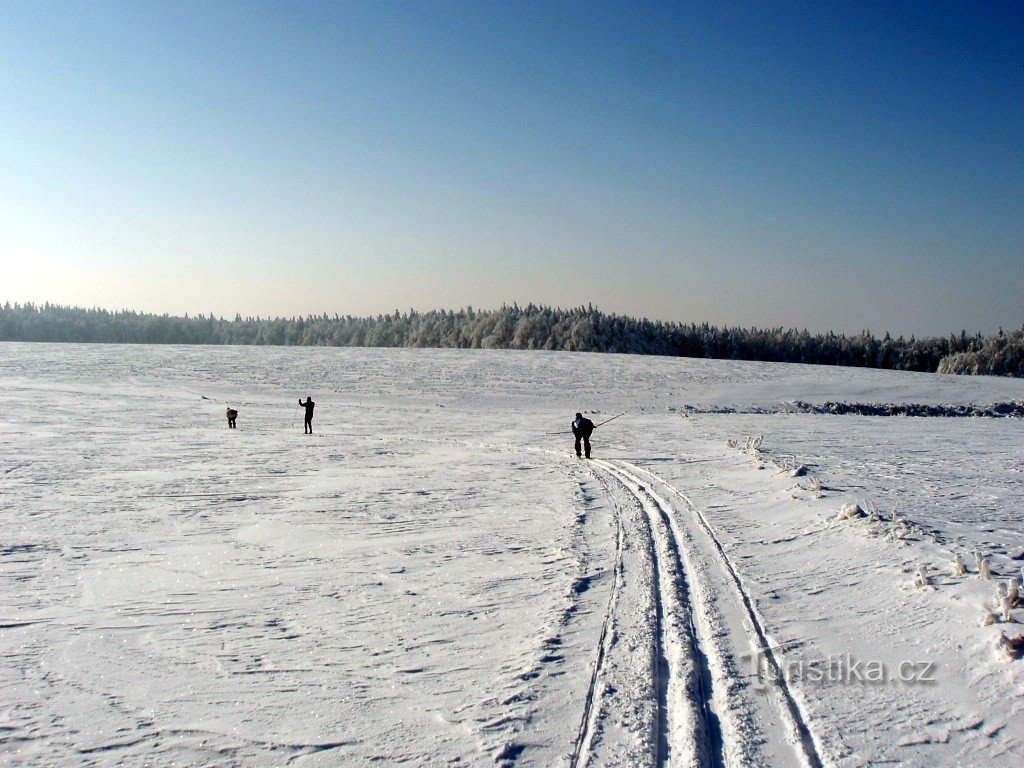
{"points": [[581, 329]]}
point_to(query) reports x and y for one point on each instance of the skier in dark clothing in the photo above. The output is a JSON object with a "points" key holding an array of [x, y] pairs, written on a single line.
{"points": [[308, 405], [232, 415], [582, 429]]}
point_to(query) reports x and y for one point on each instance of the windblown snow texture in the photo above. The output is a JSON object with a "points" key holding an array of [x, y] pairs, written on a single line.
{"points": [[428, 580]]}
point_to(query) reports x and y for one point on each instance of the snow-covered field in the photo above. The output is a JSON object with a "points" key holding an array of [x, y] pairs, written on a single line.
{"points": [[429, 580]]}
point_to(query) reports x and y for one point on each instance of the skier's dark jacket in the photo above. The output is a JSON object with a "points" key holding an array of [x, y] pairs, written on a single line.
{"points": [[582, 427]]}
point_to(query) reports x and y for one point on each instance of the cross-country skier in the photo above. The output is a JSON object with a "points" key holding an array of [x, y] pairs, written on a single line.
{"points": [[308, 405], [582, 429], [232, 415]]}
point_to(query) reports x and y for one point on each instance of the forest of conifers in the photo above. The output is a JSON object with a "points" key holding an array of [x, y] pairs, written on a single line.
{"points": [[583, 329]]}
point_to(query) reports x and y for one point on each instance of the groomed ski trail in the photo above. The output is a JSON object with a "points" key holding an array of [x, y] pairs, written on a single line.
{"points": [[700, 633], [743, 724], [686, 728], [591, 707]]}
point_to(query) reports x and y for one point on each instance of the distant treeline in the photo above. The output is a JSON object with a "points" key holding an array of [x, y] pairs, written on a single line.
{"points": [[583, 329]]}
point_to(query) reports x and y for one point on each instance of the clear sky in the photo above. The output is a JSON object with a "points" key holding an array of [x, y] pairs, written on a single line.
{"points": [[813, 164]]}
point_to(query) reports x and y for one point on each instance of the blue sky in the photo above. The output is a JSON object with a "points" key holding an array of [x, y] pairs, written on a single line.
{"points": [[822, 165]]}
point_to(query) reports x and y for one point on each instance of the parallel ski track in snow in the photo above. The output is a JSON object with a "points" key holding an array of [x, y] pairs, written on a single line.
{"points": [[687, 730], [591, 710], [792, 713]]}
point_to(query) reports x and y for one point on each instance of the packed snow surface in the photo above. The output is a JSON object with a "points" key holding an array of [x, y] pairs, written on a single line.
{"points": [[430, 579]]}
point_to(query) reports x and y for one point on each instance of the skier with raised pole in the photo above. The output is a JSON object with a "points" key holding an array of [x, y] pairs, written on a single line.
{"points": [[309, 405], [582, 429]]}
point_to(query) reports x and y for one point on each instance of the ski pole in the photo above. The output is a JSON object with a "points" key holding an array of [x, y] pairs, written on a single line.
{"points": [[560, 432], [613, 418]]}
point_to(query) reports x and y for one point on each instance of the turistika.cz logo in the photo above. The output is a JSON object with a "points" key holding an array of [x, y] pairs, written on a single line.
{"points": [[843, 669]]}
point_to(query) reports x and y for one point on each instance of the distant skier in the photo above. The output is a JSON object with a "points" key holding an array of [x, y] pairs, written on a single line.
{"points": [[308, 405], [582, 429], [232, 415]]}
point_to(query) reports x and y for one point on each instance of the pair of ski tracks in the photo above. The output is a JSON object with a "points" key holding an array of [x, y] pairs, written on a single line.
{"points": [[688, 729]]}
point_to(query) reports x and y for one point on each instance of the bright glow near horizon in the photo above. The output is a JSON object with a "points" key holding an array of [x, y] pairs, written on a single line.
{"points": [[830, 167]]}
